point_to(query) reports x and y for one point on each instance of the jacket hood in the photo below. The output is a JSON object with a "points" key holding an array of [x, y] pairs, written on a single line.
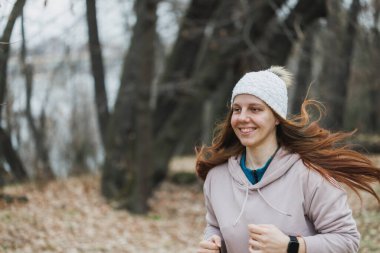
{"points": [[281, 163]]}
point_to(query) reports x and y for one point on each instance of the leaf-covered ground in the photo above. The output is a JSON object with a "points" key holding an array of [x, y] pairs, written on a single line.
{"points": [[70, 216]]}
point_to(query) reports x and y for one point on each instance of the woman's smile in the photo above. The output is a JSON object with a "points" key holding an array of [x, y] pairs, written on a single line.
{"points": [[247, 130]]}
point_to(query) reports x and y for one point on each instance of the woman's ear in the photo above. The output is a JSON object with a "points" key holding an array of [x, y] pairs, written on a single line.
{"points": [[277, 122]]}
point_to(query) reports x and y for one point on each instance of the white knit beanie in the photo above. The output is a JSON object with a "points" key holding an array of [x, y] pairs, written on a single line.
{"points": [[267, 86]]}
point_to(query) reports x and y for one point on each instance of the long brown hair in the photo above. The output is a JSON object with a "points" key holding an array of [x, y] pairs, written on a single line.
{"points": [[320, 150]]}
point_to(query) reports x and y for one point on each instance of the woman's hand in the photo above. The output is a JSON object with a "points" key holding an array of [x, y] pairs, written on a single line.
{"points": [[267, 239], [210, 246]]}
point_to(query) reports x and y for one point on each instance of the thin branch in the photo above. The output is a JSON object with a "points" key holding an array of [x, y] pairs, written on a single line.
{"points": [[247, 39], [10, 43]]}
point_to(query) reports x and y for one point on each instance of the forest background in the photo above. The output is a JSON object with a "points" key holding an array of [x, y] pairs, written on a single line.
{"points": [[113, 91]]}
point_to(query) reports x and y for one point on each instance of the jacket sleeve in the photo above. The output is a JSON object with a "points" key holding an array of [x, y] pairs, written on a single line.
{"points": [[328, 210], [212, 227]]}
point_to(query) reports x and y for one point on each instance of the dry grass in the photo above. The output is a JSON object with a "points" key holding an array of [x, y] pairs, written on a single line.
{"points": [[70, 216]]}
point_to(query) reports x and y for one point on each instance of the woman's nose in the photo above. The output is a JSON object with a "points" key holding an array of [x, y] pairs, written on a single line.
{"points": [[243, 116]]}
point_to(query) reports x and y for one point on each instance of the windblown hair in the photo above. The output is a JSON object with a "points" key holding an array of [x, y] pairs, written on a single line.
{"points": [[320, 150], [326, 152]]}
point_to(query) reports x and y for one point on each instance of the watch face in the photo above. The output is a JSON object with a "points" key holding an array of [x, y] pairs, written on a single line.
{"points": [[293, 245]]}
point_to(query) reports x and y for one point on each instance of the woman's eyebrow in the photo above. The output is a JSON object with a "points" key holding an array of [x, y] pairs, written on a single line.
{"points": [[250, 104], [255, 104]]}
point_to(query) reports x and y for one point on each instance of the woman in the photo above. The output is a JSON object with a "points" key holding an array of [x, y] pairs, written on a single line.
{"points": [[273, 184]]}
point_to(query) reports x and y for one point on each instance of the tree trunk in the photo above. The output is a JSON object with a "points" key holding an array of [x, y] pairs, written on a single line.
{"points": [[6, 149], [374, 93], [97, 69], [336, 67], [259, 16], [182, 59], [11, 156], [128, 165], [4, 48], [304, 72], [374, 114], [279, 36]]}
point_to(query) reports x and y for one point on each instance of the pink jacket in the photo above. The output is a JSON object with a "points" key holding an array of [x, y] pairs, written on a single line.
{"points": [[290, 196]]}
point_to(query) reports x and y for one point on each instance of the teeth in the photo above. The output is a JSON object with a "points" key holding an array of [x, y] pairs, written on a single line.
{"points": [[247, 130]]}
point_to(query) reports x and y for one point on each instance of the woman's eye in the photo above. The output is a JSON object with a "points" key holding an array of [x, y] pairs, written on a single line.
{"points": [[235, 109]]}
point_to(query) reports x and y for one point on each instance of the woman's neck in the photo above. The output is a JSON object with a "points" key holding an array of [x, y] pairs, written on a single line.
{"points": [[256, 157]]}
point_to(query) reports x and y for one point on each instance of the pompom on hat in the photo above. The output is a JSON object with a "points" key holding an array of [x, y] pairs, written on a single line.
{"points": [[268, 85]]}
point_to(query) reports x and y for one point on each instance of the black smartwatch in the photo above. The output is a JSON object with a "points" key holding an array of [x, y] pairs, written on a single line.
{"points": [[293, 244]]}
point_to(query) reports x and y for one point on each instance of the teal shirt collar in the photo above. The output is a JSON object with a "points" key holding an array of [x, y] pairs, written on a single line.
{"points": [[254, 176]]}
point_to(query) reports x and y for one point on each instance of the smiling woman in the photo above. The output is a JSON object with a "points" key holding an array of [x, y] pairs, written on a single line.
{"points": [[272, 184]]}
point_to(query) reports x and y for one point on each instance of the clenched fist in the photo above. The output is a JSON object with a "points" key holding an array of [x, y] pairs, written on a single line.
{"points": [[212, 245], [267, 238]]}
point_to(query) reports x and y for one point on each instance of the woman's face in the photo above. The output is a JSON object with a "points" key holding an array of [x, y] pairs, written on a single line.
{"points": [[253, 121]]}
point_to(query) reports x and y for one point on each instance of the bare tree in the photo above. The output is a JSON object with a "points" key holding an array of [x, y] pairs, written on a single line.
{"points": [[335, 71], [304, 72], [128, 165], [97, 69], [83, 128], [374, 94], [43, 167], [6, 148], [278, 38], [182, 59]]}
